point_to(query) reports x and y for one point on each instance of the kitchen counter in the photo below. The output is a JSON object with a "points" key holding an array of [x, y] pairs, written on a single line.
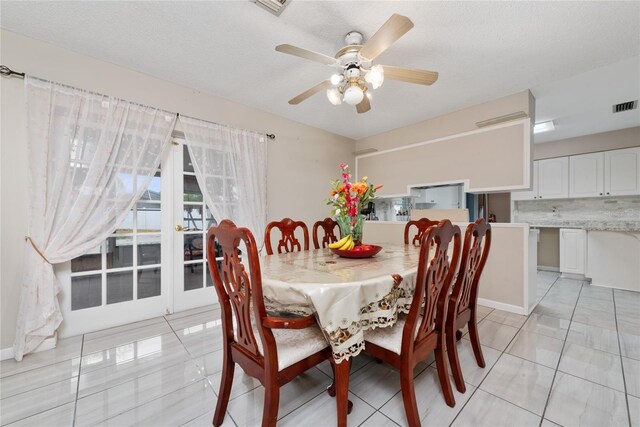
{"points": [[631, 226]]}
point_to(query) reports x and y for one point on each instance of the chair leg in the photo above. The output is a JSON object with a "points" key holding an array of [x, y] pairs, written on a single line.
{"points": [[331, 390], [409, 395], [226, 382], [443, 373], [475, 339], [454, 361], [271, 403]]}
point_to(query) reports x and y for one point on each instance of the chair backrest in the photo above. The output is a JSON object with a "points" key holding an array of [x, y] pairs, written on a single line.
{"points": [[477, 242], [327, 225], [239, 291], [433, 281], [422, 225], [288, 241]]}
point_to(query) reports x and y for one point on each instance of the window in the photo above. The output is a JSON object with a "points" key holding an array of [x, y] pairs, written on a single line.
{"points": [[127, 265]]}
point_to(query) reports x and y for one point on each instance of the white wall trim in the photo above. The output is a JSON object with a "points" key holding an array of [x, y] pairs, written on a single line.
{"points": [[549, 268], [47, 344], [502, 306], [467, 188], [6, 353]]}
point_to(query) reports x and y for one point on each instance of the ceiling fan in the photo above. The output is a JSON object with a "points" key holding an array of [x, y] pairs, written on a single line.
{"points": [[354, 61]]}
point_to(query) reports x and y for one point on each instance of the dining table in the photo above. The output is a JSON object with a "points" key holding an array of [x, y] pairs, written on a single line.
{"points": [[346, 295]]}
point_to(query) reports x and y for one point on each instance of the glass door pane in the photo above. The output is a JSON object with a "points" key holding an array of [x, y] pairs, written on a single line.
{"points": [[192, 286]]}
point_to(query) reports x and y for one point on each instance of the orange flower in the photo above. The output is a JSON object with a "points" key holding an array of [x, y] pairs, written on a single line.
{"points": [[338, 190], [379, 187], [360, 187]]}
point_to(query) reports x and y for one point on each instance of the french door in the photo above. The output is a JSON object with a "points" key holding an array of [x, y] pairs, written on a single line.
{"points": [[155, 263], [192, 285]]}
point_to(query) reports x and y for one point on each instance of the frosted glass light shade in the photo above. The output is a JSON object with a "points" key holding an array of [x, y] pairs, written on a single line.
{"points": [[353, 95], [336, 79], [334, 96], [375, 76]]}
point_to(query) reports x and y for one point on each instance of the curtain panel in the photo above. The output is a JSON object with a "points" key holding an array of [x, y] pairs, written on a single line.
{"points": [[231, 170], [91, 157]]}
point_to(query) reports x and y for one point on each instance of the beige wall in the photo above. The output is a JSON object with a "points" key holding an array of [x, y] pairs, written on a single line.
{"points": [[503, 280], [489, 159], [472, 148], [301, 160], [622, 138], [500, 206], [451, 123], [549, 247]]}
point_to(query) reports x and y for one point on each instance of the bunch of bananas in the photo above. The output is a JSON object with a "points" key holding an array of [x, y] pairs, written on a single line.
{"points": [[344, 244]]}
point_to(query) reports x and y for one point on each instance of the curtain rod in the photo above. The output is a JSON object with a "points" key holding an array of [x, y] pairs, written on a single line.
{"points": [[8, 72]]}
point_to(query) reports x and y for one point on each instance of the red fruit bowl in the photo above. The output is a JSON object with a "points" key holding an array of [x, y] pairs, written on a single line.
{"points": [[367, 253]]}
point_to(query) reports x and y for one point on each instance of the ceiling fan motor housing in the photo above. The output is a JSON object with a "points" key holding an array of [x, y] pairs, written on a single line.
{"points": [[352, 71], [353, 37]]}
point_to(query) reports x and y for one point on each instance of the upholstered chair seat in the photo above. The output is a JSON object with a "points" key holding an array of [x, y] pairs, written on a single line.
{"points": [[294, 345]]}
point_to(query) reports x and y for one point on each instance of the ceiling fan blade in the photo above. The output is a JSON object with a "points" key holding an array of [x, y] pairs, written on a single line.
{"points": [[410, 75], [364, 105], [307, 54], [309, 92], [396, 27]]}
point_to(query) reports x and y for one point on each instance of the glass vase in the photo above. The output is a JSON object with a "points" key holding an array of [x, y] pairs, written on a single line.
{"points": [[350, 225]]}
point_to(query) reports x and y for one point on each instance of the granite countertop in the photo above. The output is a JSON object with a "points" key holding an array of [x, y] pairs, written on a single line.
{"points": [[594, 225]]}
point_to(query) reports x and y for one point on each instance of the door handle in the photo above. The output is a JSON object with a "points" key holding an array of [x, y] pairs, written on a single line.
{"points": [[179, 228]]}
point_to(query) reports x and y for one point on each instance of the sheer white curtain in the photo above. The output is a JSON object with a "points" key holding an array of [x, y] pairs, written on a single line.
{"points": [[231, 170], [90, 158]]}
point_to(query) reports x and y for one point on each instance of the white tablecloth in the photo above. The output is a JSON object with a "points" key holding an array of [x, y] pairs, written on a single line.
{"points": [[346, 295]]}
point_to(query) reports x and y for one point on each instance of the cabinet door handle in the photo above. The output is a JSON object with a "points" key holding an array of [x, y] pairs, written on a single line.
{"points": [[608, 192], [601, 194]]}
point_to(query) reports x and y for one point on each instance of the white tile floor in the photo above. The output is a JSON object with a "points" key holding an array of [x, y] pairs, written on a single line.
{"points": [[574, 361]]}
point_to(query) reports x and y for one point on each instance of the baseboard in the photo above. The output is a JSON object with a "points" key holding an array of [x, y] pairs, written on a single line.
{"points": [[502, 306], [48, 344], [572, 276], [6, 353], [549, 268]]}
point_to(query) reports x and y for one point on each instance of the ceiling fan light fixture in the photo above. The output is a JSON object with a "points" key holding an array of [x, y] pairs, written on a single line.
{"points": [[375, 76], [353, 95], [334, 96], [336, 79]]}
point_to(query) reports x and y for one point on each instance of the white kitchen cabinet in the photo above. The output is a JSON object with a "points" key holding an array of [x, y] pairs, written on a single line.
{"points": [[622, 172], [572, 250], [586, 175], [528, 194], [553, 178], [613, 259]]}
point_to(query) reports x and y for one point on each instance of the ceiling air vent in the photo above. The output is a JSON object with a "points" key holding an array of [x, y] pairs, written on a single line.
{"points": [[273, 6], [625, 106]]}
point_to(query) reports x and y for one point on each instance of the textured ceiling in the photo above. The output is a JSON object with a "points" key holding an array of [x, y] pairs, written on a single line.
{"points": [[582, 104], [482, 50]]}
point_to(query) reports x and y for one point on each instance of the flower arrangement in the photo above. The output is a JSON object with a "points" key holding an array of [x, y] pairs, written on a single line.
{"points": [[348, 199]]}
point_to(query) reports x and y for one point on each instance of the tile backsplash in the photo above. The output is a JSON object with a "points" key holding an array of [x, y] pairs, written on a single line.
{"points": [[620, 208]]}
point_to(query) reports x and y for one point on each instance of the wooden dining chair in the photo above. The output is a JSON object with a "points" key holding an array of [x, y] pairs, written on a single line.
{"points": [[327, 225], [274, 350], [421, 332], [288, 241], [422, 225], [464, 298]]}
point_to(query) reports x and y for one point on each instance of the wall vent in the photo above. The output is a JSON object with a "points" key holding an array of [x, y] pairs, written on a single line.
{"points": [[273, 6], [625, 106]]}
